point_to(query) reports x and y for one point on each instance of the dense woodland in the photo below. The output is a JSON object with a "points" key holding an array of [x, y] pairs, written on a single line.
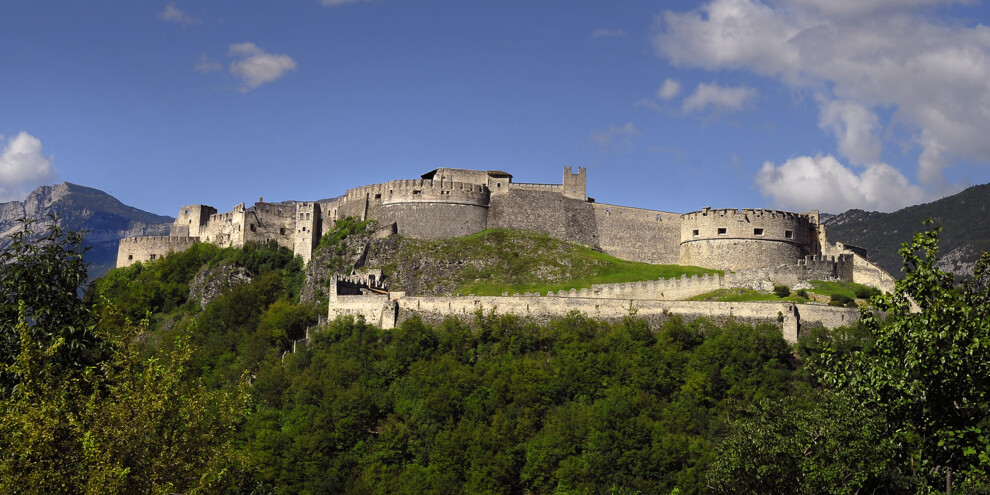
{"points": [[131, 385]]}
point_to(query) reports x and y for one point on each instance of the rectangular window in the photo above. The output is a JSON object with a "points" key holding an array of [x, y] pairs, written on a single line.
{"points": [[130, 256], [378, 196], [757, 231], [154, 256], [417, 192], [788, 234], [694, 232], [721, 231]]}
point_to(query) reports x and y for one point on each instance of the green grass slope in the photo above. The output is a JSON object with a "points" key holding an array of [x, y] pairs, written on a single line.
{"points": [[493, 262]]}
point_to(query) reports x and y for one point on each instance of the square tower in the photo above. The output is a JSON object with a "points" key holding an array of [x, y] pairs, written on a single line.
{"points": [[191, 218], [574, 184]]}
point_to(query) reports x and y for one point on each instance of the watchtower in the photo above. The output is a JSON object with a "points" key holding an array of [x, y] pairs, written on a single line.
{"points": [[574, 185]]}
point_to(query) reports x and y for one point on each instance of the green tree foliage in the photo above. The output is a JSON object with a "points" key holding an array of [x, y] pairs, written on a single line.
{"points": [[126, 425], [40, 279], [824, 444], [83, 411], [508, 405], [926, 371]]}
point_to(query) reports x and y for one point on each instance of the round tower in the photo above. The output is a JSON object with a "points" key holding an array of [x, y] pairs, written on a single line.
{"points": [[731, 239]]}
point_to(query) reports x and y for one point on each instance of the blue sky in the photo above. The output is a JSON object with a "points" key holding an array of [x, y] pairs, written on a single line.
{"points": [[793, 104]]}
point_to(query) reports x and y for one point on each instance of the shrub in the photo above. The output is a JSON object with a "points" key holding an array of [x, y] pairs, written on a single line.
{"points": [[866, 292], [841, 300], [802, 293], [781, 290]]}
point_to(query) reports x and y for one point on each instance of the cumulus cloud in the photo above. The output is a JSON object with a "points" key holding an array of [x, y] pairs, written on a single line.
{"points": [[670, 89], [23, 166], [173, 14], [255, 66], [718, 98], [859, 55], [821, 182], [609, 33], [855, 127], [619, 137]]}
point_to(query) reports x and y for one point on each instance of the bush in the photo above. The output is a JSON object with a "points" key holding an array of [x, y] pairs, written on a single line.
{"points": [[866, 292], [803, 294], [781, 290], [841, 300]]}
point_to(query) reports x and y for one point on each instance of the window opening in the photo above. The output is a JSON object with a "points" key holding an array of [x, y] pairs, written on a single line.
{"points": [[721, 231], [757, 231]]}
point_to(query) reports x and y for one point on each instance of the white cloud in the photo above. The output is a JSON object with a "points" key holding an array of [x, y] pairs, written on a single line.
{"points": [[931, 72], [204, 64], [718, 98], [821, 182], [670, 89], [337, 3], [23, 167], [855, 126], [609, 33], [620, 137], [256, 67], [173, 14]]}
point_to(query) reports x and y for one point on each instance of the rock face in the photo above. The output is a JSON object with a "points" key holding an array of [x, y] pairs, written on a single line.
{"points": [[213, 282], [83, 208]]}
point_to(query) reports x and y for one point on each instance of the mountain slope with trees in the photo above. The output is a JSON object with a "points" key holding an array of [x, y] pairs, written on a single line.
{"points": [[964, 218]]}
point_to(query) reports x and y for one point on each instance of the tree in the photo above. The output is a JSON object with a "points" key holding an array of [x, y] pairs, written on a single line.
{"points": [[926, 372], [40, 280], [828, 444], [81, 410]]}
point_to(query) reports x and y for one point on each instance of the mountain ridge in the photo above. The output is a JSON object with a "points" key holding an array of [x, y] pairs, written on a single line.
{"points": [[84, 208], [963, 218]]}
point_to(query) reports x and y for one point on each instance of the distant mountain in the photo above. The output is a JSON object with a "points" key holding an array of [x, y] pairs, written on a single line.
{"points": [[83, 208], [964, 218]]}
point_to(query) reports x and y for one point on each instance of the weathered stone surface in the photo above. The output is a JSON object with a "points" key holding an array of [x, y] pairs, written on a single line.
{"points": [[212, 282]]}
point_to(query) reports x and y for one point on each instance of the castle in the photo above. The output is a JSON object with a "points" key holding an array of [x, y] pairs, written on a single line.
{"points": [[765, 246]]}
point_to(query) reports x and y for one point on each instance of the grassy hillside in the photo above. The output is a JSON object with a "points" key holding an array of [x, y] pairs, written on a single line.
{"points": [[493, 262]]}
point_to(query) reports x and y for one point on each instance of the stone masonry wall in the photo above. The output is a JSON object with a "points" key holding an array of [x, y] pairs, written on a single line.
{"points": [[545, 211], [635, 234], [140, 249], [730, 239]]}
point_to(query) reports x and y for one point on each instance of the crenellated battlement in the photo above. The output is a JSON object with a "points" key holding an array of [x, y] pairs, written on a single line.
{"points": [[754, 245]]}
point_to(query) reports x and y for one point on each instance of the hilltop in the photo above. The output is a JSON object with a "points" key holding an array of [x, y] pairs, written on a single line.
{"points": [[962, 216], [83, 208]]}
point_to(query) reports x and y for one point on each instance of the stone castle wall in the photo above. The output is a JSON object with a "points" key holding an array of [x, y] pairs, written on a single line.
{"points": [[142, 249], [636, 234], [545, 211], [386, 312], [730, 239]]}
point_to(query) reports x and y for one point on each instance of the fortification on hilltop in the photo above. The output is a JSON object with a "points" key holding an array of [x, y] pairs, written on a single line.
{"points": [[757, 248], [448, 202]]}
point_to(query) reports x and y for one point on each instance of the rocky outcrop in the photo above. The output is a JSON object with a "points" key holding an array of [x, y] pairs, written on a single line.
{"points": [[212, 282]]}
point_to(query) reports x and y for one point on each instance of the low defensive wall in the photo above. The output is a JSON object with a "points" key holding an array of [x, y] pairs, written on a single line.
{"points": [[385, 311]]}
